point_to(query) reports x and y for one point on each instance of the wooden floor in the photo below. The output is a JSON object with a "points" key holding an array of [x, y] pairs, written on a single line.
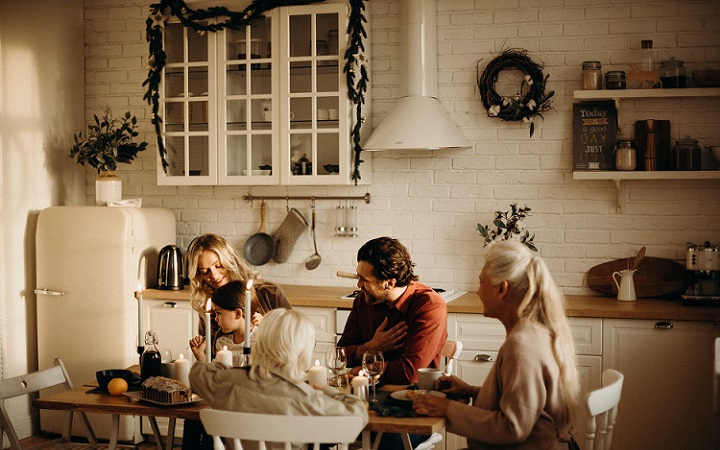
{"points": [[43, 437]]}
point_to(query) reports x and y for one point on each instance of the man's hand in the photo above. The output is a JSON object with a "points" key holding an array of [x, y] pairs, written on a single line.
{"points": [[386, 340]]}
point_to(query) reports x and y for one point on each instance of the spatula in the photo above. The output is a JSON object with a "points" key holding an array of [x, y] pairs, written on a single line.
{"points": [[640, 255]]}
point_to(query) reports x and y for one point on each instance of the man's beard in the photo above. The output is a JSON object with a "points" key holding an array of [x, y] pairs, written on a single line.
{"points": [[372, 301]]}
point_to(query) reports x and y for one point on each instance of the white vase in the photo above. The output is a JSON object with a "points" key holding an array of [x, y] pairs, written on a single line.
{"points": [[108, 187]]}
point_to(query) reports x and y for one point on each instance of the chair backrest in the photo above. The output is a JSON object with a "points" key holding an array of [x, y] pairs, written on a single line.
{"points": [[451, 350], [602, 405], [280, 429], [31, 383]]}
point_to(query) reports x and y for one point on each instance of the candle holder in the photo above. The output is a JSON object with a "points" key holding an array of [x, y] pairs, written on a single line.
{"points": [[340, 220]]}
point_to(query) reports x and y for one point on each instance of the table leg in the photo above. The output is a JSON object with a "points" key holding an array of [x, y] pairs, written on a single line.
{"points": [[366, 442], [170, 434], [115, 430], [156, 432], [406, 441]]}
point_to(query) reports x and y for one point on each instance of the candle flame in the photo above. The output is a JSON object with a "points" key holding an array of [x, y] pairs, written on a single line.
{"points": [[181, 356], [249, 285], [208, 305], [361, 373], [317, 363], [225, 347]]}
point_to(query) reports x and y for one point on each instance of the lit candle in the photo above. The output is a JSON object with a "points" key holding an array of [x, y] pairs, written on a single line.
{"points": [[317, 374], [182, 370], [360, 386], [208, 341], [224, 356], [248, 310]]}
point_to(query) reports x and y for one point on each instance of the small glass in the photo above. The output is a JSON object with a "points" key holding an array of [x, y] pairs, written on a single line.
{"points": [[373, 364], [336, 360]]}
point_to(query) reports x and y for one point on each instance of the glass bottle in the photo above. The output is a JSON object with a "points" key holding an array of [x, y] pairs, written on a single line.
{"points": [[673, 73], [648, 65], [591, 75], [150, 362], [625, 155]]}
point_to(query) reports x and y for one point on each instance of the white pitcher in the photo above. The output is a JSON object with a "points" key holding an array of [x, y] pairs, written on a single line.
{"points": [[626, 286]]}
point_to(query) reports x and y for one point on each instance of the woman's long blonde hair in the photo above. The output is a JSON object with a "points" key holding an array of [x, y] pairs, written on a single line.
{"points": [[283, 342], [542, 302], [237, 269]]}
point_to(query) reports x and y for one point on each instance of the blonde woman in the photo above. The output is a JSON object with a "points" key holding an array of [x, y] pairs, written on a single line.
{"points": [[532, 389], [282, 350]]}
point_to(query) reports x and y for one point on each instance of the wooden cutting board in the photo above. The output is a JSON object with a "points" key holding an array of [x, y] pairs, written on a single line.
{"points": [[655, 277]]}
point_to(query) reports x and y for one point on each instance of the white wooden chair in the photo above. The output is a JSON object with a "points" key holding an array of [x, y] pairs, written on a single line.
{"points": [[602, 405], [267, 428], [32, 383], [451, 350]]}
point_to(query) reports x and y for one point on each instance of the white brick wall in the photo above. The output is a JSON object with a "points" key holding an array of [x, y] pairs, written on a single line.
{"points": [[432, 201]]}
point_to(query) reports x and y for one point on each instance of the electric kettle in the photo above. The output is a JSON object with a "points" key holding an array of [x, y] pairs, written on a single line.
{"points": [[170, 268]]}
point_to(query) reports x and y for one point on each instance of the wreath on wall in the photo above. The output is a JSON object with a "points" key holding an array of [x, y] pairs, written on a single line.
{"points": [[530, 101], [355, 68]]}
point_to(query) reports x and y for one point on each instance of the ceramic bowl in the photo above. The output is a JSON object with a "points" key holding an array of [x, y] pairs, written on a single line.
{"points": [[104, 376]]}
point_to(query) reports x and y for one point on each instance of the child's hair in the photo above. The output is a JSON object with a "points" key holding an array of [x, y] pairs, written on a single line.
{"points": [[284, 342], [232, 296]]}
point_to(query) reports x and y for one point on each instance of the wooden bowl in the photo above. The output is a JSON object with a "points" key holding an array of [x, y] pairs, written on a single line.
{"points": [[707, 78]]}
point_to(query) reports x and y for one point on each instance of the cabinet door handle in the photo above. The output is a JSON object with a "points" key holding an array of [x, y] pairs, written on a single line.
{"points": [[483, 358], [46, 291], [169, 305], [663, 325]]}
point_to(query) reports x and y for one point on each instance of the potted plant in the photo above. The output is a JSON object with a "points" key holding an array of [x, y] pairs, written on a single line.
{"points": [[108, 141], [509, 225]]}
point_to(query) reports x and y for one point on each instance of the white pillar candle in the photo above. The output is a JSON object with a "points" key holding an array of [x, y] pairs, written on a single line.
{"points": [[224, 356], [138, 294], [182, 370], [317, 374], [248, 311], [360, 385], [208, 340]]}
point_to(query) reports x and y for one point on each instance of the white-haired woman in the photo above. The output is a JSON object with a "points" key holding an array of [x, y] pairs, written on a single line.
{"points": [[282, 349], [532, 389]]}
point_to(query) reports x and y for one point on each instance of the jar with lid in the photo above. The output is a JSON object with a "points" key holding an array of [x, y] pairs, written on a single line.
{"points": [[591, 75], [673, 73], [615, 79], [625, 155], [687, 154]]}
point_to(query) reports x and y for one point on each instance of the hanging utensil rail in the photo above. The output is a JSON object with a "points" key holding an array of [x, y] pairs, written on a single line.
{"points": [[249, 198]]}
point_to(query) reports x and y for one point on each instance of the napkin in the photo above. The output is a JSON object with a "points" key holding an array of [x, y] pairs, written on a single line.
{"points": [[385, 410]]}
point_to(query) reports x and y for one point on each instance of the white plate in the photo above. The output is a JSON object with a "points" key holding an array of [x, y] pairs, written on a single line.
{"points": [[400, 395], [138, 395]]}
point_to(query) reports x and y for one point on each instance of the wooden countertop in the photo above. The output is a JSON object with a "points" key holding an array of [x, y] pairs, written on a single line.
{"points": [[577, 305]]}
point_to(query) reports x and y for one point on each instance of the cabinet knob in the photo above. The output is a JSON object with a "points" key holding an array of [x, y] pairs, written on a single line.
{"points": [[483, 358], [170, 305], [663, 325]]}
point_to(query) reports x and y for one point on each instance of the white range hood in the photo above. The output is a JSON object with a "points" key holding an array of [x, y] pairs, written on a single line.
{"points": [[418, 121]]}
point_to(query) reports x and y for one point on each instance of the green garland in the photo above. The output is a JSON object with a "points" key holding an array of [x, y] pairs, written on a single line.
{"points": [[517, 107], [355, 60]]}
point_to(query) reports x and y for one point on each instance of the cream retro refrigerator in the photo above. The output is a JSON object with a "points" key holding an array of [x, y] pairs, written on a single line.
{"points": [[88, 268]]}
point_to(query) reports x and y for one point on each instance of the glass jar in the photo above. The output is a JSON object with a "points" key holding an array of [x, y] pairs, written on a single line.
{"points": [[615, 79], [687, 154], [591, 75], [673, 73], [625, 155]]}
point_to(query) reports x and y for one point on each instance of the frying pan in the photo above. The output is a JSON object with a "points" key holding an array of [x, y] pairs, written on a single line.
{"points": [[260, 247]]}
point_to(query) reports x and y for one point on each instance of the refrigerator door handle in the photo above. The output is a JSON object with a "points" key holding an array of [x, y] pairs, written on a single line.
{"points": [[48, 292]]}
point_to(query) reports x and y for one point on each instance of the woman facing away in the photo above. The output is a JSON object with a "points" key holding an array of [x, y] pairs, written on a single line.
{"points": [[282, 349], [213, 262], [528, 398]]}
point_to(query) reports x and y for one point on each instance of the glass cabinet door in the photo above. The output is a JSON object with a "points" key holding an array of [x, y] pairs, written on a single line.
{"points": [[247, 110], [188, 108], [315, 105]]}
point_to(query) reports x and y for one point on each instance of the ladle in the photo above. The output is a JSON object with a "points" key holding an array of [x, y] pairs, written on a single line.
{"points": [[314, 260]]}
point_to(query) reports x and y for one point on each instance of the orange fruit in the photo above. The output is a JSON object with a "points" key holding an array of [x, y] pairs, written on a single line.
{"points": [[117, 386]]}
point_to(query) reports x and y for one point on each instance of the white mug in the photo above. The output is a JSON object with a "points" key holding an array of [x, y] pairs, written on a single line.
{"points": [[626, 286], [427, 377]]}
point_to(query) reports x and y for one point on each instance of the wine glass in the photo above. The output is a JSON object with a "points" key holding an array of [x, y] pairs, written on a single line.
{"points": [[373, 364], [336, 360]]}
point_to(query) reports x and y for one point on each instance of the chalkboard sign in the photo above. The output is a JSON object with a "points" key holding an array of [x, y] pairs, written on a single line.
{"points": [[594, 135]]}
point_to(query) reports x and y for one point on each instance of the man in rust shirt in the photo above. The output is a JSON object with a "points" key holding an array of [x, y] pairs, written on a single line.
{"points": [[395, 314]]}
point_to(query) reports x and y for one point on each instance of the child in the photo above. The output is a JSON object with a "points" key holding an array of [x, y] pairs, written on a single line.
{"points": [[228, 303]]}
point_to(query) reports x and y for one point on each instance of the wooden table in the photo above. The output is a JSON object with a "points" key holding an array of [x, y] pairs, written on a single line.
{"points": [[79, 400]]}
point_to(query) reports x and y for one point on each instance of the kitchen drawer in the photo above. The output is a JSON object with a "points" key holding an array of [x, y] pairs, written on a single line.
{"points": [[324, 321]]}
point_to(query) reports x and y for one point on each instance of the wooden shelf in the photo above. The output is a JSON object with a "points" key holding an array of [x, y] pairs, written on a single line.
{"points": [[617, 175], [617, 94]]}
